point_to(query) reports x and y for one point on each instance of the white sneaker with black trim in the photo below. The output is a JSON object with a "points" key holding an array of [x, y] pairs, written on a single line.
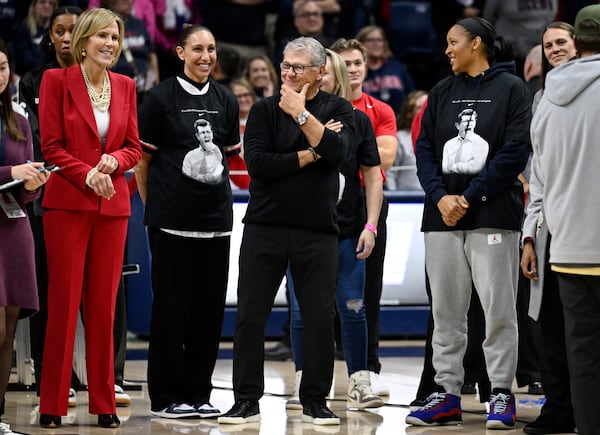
{"points": [[121, 397], [206, 410], [360, 394], [72, 398], [174, 410], [294, 401]]}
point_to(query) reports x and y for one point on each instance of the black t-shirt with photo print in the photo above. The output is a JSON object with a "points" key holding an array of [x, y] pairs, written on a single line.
{"points": [[174, 117]]}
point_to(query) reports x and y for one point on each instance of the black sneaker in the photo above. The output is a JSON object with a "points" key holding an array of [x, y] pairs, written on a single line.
{"points": [[242, 411], [535, 388], [550, 422], [318, 413], [468, 388]]}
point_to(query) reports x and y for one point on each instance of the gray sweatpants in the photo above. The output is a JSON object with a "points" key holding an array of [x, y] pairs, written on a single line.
{"points": [[488, 258]]}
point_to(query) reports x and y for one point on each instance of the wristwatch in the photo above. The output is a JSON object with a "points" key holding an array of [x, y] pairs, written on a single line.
{"points": [[303, 117]]}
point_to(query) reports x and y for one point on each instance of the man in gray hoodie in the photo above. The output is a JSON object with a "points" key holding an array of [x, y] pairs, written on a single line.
{"points": [[565, 132]]}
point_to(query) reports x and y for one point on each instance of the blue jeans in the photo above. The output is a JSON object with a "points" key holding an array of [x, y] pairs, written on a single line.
{"points": [[350, 306]]}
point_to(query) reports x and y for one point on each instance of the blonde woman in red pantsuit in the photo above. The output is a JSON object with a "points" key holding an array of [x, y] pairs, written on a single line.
{"points": [[88, 126]]}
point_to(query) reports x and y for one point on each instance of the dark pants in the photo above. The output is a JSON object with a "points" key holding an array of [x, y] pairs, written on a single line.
{"points": [[553, 364], [264, 256], [189, 280], [580, 295], [373, 288], [528, 362]]}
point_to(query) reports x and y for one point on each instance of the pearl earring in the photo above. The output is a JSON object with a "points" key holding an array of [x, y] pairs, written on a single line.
{"points": [[83, 52]]}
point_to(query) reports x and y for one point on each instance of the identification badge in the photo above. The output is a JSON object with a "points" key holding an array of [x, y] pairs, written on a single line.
{"points": [[11, 207], [494, 239]]}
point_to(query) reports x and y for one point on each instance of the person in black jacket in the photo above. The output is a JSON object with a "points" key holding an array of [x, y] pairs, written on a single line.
{"points": [[472, 215], [293, 162]]}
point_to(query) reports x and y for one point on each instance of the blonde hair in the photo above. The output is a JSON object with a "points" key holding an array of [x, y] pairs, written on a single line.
{"points": [[30, 19], [88, 24], [342, 81]]}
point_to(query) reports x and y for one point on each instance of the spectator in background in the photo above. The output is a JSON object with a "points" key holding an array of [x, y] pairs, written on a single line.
{"points": [[308, 21], [246, 97], [239, 24], [284, 25], [168, 28], [145, 10], [11, 14], [522, 22], [138, 59], [387, 79], [405, 177], [227, 67], [29, 33], [261, 74]]}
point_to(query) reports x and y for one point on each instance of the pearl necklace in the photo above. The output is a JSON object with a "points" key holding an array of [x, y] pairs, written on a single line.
{"points": [[100, 101]]}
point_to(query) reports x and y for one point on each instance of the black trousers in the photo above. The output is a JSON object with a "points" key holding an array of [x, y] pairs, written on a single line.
{"points": [[580, 295], [553, 365], [264, 256], [189, 280], [373, 289], [528, 363]]}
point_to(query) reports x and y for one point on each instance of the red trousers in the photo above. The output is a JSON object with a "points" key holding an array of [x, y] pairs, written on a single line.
{"points": [[85, 261]]}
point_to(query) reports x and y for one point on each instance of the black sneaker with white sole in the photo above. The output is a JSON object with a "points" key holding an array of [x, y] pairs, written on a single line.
{"points": [[177, 410], [206, 410], [242, 411], [318, 413]]}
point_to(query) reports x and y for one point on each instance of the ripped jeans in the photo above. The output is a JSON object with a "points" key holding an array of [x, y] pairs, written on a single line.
{"points": [[350, 305]]}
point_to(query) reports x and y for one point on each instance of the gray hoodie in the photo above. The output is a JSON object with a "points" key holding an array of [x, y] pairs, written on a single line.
{"points": [[565, 133]]}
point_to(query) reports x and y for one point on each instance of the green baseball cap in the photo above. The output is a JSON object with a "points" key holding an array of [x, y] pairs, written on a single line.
{"points": [[591, 12]]}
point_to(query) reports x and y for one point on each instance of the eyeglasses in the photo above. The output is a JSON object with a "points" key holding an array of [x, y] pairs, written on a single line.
{"points": [[315, 14], [298, 69], [246, 95]]}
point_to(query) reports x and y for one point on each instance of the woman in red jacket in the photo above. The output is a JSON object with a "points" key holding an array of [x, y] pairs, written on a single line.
{"points": [[88, 126]]}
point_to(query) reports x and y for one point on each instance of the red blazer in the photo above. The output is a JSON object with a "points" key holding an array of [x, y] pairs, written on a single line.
{"points": [[70, 140]]}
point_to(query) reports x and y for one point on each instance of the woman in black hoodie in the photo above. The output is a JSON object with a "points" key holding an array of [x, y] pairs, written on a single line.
{"points": [[474, 141]]}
